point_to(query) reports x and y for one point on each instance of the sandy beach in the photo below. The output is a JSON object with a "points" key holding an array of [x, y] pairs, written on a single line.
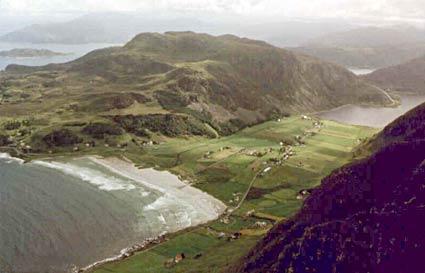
{"points": [[208, 208]]}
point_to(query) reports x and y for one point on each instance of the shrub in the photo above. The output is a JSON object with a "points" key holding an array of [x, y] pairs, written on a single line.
{"points": [[12, 125], [62, 137], [169, 124], [4, 140], [100, 130]]}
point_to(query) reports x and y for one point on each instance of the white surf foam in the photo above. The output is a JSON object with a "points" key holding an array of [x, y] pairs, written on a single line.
{"points": [[95, 177], [9, 159]]}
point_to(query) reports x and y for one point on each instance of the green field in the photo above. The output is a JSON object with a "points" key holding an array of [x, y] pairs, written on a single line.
{"points": [[228, 168]]}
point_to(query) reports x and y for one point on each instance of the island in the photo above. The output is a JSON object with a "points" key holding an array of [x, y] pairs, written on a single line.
{"points": [[30, 53]]}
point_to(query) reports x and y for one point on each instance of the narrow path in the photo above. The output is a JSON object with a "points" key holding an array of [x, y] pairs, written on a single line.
{"points": [[251, 184]]}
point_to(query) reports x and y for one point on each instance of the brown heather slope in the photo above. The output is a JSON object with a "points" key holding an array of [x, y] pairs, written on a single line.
{"points": [[365, 217], [406, 77]]}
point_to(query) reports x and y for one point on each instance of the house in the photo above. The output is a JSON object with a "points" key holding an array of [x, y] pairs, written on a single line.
{"points": [[179, 257], [266, 170], [303, 193], [234, 236], [250, 213], [226, 220], [260, 224]]}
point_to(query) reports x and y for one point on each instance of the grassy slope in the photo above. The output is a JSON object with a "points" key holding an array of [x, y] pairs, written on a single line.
{"points": [[230, 171]]}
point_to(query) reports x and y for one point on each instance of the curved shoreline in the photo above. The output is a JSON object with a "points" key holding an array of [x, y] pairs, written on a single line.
{"points": [[124, 254], [126, 168], [201, 207]]}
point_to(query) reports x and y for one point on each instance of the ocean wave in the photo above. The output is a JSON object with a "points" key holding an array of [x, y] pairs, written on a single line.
{"points": [[9, 159], [95, 177], [183, 214]]}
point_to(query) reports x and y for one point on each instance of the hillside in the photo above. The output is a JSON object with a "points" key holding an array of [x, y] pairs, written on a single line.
{"points": [[365, 217], [219, 84], [368, 47], [406, 77]]}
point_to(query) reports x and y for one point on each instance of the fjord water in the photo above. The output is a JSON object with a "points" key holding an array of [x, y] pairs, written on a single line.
{"points": [[58, 214], [377, 117], [73, 52], [361, 71]]}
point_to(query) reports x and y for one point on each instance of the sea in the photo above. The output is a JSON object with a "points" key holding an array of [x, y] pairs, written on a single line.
{"points": [[361, 71], [62, 214], [377, 117], [72, 52]]}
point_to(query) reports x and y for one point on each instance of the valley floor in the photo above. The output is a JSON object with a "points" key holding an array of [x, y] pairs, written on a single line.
{"points": [[259, 173]]}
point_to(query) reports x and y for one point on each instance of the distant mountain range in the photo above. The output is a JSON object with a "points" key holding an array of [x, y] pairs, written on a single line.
{"points": [[365, 217], [97, 28], [368, 47], [120, 27], [407, 77], [371, 37], [226, 81]]}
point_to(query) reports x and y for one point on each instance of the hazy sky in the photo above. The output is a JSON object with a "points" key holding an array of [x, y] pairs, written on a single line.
{"points": [[396, 10]]}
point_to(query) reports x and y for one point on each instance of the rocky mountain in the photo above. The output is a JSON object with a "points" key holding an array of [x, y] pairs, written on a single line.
{"points": [[368, 47], [225, 81], [406, 77], [365, 217]]}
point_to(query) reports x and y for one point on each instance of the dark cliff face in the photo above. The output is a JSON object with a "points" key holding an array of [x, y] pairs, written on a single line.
{"points": [[368, 216]]}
